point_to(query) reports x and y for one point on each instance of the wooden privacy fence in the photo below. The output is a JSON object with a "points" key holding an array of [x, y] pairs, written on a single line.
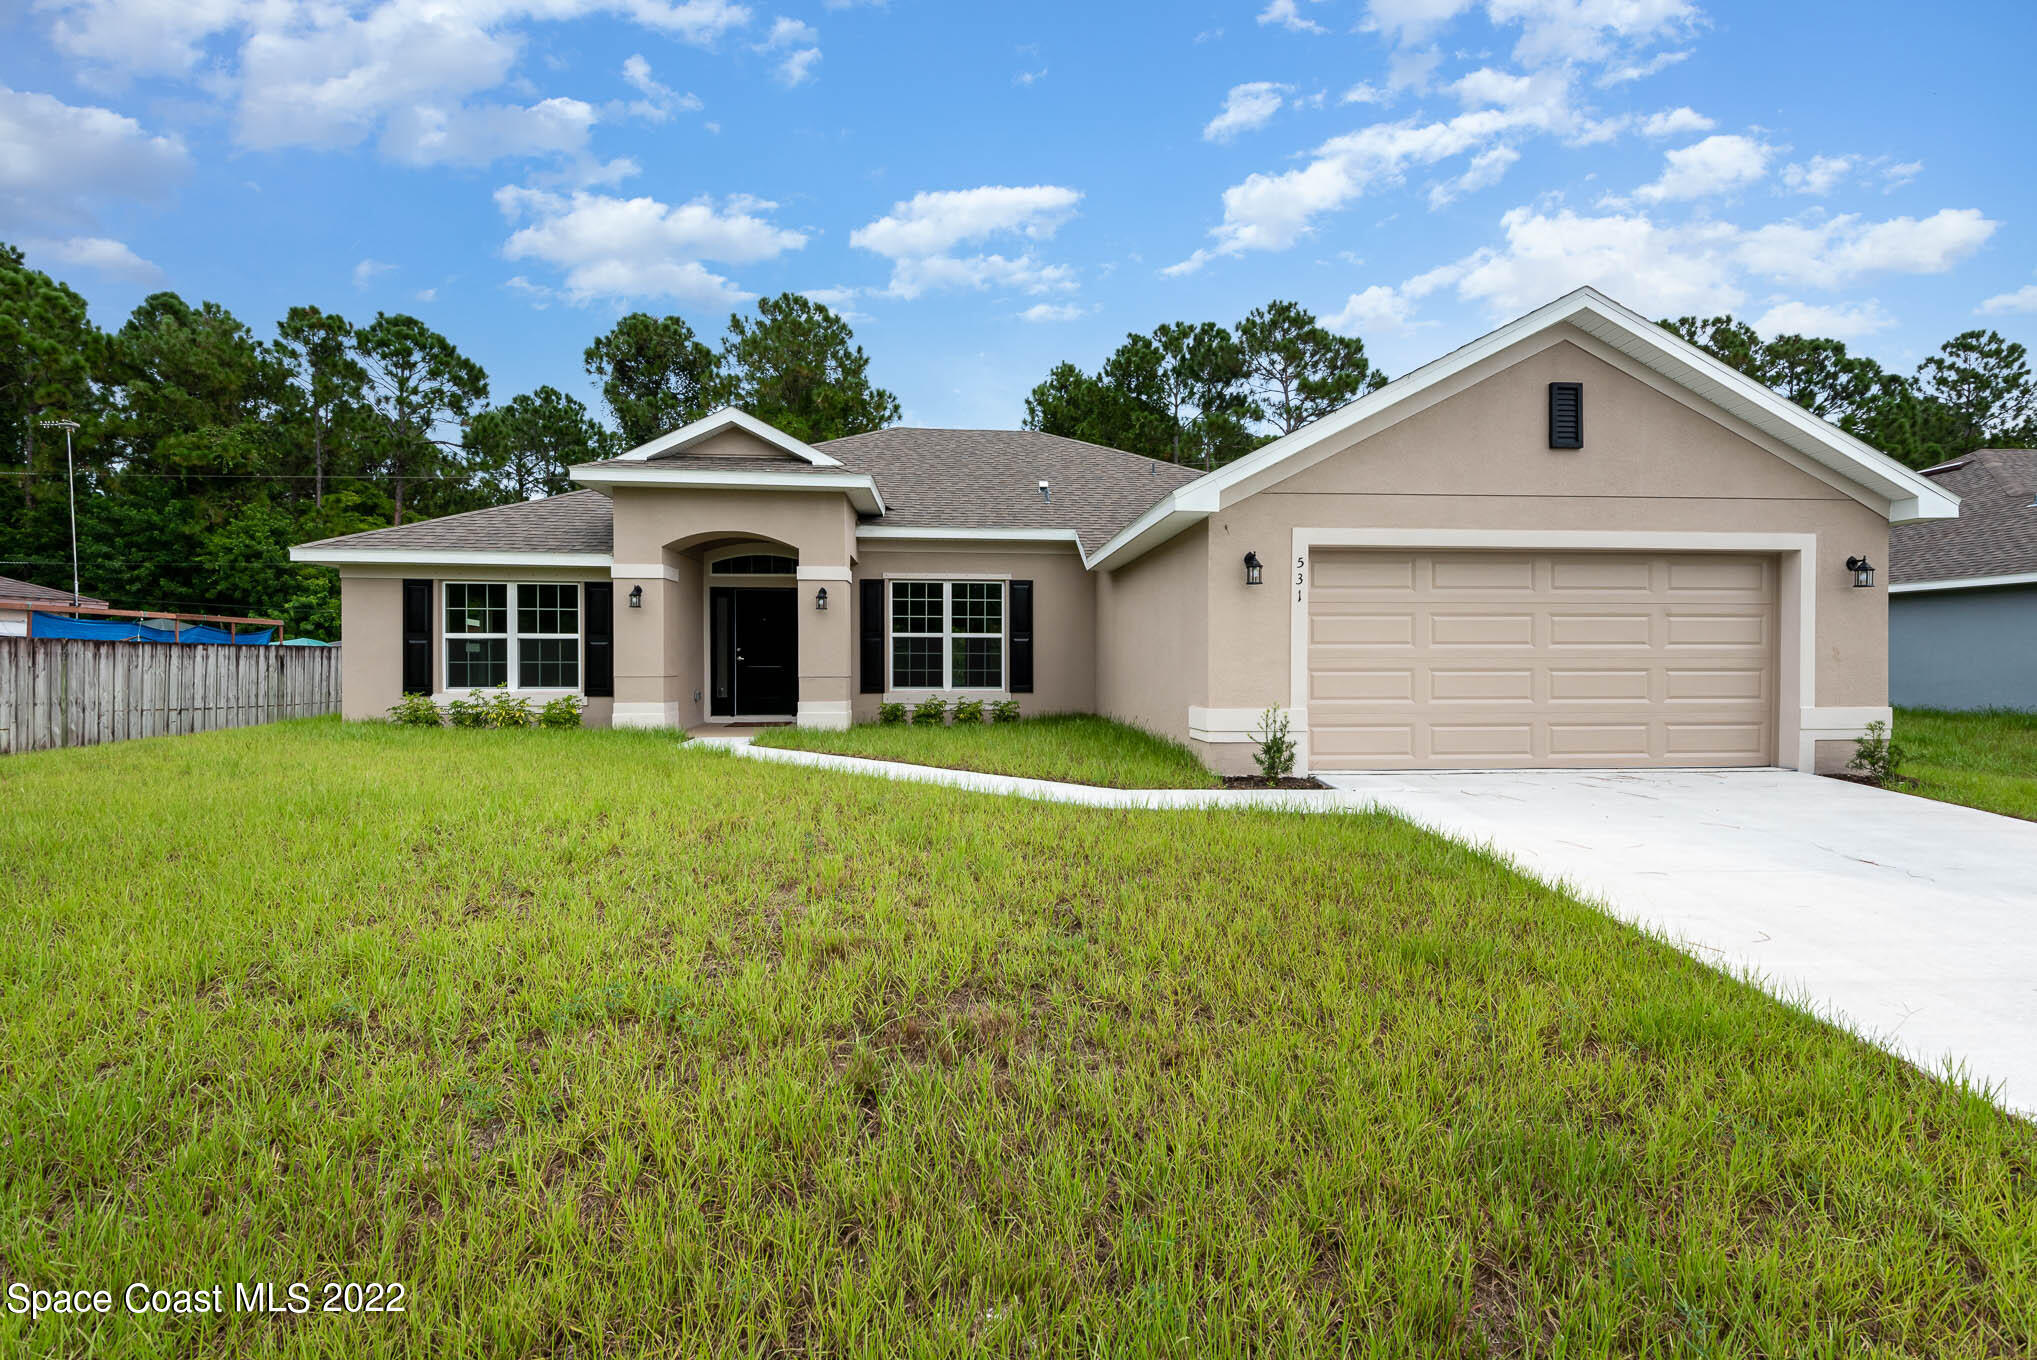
{"points": [[73, 692]]}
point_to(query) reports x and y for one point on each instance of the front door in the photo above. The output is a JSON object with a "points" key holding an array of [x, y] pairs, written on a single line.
{"points": [[755, 646]]}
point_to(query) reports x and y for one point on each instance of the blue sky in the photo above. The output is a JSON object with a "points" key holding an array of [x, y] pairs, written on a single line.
{"points": [[988, 189]]}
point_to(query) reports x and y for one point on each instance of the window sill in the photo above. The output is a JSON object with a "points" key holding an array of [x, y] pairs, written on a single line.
{"points": [[909, 696], [470, 695]]}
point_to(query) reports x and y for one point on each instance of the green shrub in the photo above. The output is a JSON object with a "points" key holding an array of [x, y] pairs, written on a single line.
{"points": [[563, 711], [1877, 756], [468, 712], [891, 715], [1004, 711], [506, 709], [968, 711], [929, 712], [1276, 747], [417, 710]]}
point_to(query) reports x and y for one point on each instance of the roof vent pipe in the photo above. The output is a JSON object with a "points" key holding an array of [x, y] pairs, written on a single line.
{"points": [[1046, 494]]}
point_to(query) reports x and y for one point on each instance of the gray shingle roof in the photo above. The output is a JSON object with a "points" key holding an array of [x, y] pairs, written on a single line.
{"points": [[930, 479], [989, 479], [1996, 532], [578, 521], [11, 589]]}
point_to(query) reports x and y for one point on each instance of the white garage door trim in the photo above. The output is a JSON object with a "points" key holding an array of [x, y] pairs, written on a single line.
{"points": [[1799, 723]]}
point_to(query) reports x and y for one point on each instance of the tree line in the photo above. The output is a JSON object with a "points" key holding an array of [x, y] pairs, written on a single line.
{"points": [[203, 450]]}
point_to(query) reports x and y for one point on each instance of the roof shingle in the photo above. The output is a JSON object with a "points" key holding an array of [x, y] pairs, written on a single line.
{"points": [[1996, 532], [29, 593], [578, 521]]}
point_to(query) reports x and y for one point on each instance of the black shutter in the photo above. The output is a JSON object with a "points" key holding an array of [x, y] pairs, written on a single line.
{"points": [[599, 681], [870, 607], [417, 637], [1566, 415], [1021, 637]]}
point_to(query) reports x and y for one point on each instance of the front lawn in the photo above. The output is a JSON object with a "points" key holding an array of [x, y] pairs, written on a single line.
{"points": [[1984, 760], [1077, 748], [601, 1047]]}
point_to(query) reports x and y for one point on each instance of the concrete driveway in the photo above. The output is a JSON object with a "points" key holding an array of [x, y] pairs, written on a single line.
{"points": [[1910, 921]]}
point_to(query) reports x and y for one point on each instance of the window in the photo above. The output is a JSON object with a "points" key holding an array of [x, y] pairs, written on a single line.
{"points": [[755, 564], [947, 635], [541, 651]]}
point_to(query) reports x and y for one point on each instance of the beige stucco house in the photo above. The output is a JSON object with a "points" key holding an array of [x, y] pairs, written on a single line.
{"points": [[1577, 541]]}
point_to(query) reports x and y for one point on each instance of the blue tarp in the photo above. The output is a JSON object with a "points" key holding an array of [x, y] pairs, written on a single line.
{"points": [[133, 630]]}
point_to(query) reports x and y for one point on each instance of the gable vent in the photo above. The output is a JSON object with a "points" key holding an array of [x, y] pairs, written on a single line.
{"points": [[1566, 415]]}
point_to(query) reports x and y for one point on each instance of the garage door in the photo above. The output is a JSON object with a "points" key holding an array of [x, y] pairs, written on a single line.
{"points": [[1484, 660]]}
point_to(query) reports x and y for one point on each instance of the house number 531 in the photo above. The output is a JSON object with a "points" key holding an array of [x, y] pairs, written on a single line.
{"points": [[1300, 576]]}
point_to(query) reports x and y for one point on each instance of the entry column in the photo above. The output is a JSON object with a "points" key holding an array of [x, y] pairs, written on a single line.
{"points": [[825, 646]]}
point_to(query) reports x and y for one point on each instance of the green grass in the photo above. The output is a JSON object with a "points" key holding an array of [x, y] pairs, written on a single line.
{"points": [[1077, 748], [606, 1047], [1984, 760]]}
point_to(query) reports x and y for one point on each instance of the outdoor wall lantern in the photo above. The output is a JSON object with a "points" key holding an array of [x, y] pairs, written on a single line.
{"points": [[820, 599], [1253, 575], [1863, 572], [636, 597]]}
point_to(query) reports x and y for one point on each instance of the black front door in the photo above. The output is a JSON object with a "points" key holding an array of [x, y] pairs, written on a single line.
{"points": [[755, 644]]}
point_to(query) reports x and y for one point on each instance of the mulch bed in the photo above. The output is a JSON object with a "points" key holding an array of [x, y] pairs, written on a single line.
{"points": [[1253, 781]]}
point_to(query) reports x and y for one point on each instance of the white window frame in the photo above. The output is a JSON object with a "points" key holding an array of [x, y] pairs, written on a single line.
{"points": [[513, 638], [947, 635]]}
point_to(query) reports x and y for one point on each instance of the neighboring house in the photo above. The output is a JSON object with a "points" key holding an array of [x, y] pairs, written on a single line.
{"points": [[18, 599], [1578, 541], [1962, 610]]}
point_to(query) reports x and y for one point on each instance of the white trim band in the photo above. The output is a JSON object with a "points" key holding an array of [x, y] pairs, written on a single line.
{"points": [[1238, 725], [446, 557], [2021, 578]]}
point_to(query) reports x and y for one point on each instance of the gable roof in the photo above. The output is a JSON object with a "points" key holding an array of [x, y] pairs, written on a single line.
{"points": [[718, 422], [1911, 496], [25, 592], [1995, 536]]}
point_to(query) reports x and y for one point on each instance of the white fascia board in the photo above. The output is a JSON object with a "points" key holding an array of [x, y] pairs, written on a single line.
{"points": [[903, 532], [860, 487], [727, 418], [446, 557], [2021, 578], [1175, 511]]}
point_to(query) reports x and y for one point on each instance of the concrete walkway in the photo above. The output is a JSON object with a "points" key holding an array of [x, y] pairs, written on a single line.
{"points": [[1912, 922]]}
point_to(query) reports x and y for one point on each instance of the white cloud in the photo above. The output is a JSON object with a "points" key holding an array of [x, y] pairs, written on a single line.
{"points": [[609, 247], [1590, 31], [367, 271], [1675, 123], [659, 99], [1377, 308], [1288, 15], [1716, 165], [920, 237], [1246, 108], [1843, 322], [1053, 311], [1485, 170], [1818, 176], [1901, 173], [800, 44], [1641, 70], [1836, 250], [1024, 78], [101, 254], [2024, 299], [58, 159], [1662, 270], [319, 74], [1411, 20], [477, 135]]}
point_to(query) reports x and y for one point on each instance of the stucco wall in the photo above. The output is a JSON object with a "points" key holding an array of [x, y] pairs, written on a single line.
{"points": [[1064, 612], [1154, 645], [1964, 649], [371, 627], [1478, 459]]}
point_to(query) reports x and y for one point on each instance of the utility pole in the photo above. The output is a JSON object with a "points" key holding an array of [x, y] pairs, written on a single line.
{"points": [[71, 476]]}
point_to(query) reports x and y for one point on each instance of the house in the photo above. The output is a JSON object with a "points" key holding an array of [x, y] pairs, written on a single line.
{"points": [[1962, 609], [1578, 541], [19, 599]]}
